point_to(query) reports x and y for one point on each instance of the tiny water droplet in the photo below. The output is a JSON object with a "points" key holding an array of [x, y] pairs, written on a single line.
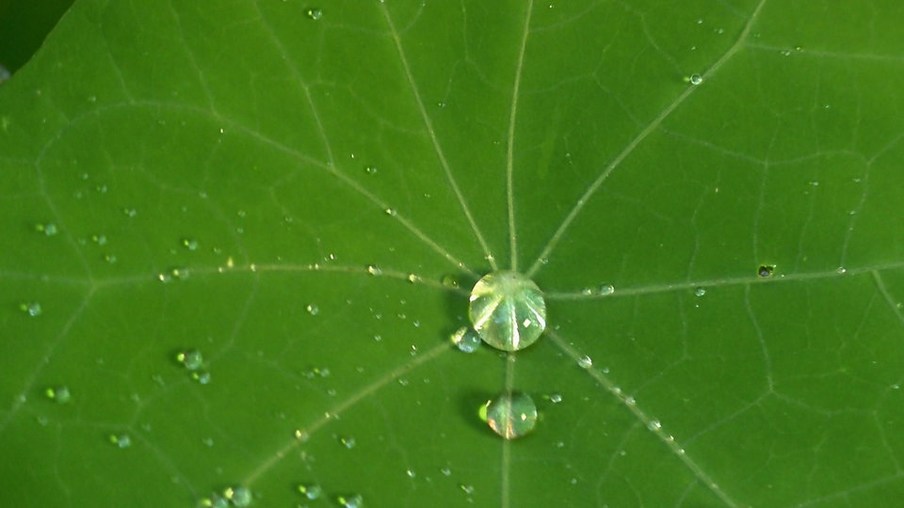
{"points": [[312, 309], [310, 490], [110, 258], [413, 278], [370, 170], [350, 501], [49, 229], [606, 289], [347, 441], [390, 212], [201, 377], [587, 291], [465, 339], [130, 212], [699, 291], [555, 398], [120, 440], [654, 425], [512, 415], [99, 239], [190, 244], [374, 270], [629, 400], [841, 270], [238, 496], [507, 310], [410, 473], [449, 281], [466, 488], [32, 309], [59, 394], [695, 79], [585, 362], [313, 13], [765, 271], [191, 359], [446, 471]]}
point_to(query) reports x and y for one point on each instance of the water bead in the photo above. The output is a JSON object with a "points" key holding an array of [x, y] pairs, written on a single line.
{"points": [[507, 310], [512, 415], [466, 339]]}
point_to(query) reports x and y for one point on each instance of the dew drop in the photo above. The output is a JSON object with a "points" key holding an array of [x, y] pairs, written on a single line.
{"points": [[370, 170], [585, 362], [32, 309], [120, 440], [446, 471], [313, 13], [841, 270], [201, 377], [555, 398], [507, 310], [695, 79], [347, 441], [374, 270], [465, 339], [58, 394], [512, 415], [238, 496], [190, 244], [390, 212], [310, 490], [765, 271], [606, 289], [413, 278], [449, 281], [49, 229], [654, 425], [466, 488], [312, 309], [191, 359], [699, 291], [350, 501]]}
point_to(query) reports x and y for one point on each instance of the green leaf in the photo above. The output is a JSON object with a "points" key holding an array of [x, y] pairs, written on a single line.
{"points": [[291, 192]]}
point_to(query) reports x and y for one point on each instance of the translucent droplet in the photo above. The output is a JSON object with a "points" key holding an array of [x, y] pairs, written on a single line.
{"points": [[313, 13], [201, 377], [120, 440], [190, 243], [654, 425], [841, 270], [507, 310], [374, 270], [695, 79], [466, 339], [32, 309], [191, 359], [370, 170], [347, 441], [238, 496], [390, 212], [410, 473], [449, 281], [99, 239], [312, 309], [214, 501], [446, 471], [350, 501], [49, 229], [606, 289], [555, 398], [130, 212], [585, 362], [467, 489], [699, 291], [310, 490], [413, 278], [512, 415], [58, 394], [765, 271]]}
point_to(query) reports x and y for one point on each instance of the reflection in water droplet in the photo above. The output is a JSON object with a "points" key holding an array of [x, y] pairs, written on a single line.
{"points": [[585, 362], [466, 339], [695, 79], [58, 394], [512, 415], [508, 310], [311, 490]]}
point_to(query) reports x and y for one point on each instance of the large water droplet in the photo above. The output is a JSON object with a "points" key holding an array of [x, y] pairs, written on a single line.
{"points": [[512, 415], [508, 310], [466, 339]]}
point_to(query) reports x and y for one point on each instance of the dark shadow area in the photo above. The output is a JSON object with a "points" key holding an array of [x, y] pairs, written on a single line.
{"points": [[24, 24]]}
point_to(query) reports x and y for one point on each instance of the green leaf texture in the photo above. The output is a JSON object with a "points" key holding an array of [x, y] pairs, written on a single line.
{"points": [[295, 190]]}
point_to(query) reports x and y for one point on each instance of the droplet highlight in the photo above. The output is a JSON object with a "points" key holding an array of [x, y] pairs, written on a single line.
{"points": [[507, 310]]}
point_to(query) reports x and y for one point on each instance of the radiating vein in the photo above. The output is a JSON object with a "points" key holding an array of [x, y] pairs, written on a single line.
{"points": [[506, 465], [629, 149], [648, 422], [510, 151], [428, 124]]}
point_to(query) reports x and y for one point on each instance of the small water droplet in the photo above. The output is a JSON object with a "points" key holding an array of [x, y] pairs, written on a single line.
{"points": [[370, 170], [465, 339], [130, 212], [32, 309], [695, 79], [555, 398], [190, 244], [312, 309], [466, 488], [765, 271], [390, 212], [59, 394], [841, 270], [99, 239], [606, 289], [310, 490], [374, 270], [630, 401], [446, 471], [238, 496], [350, 501], [213, 501], [191, 359], [413, 278], [347, 441], [449, 281], [410, 473], [507, 310], [654, 425], [120, 440], [512, 414], [585, 362], [48, 229], [201, 377], [313, 13], [699, 291]]}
